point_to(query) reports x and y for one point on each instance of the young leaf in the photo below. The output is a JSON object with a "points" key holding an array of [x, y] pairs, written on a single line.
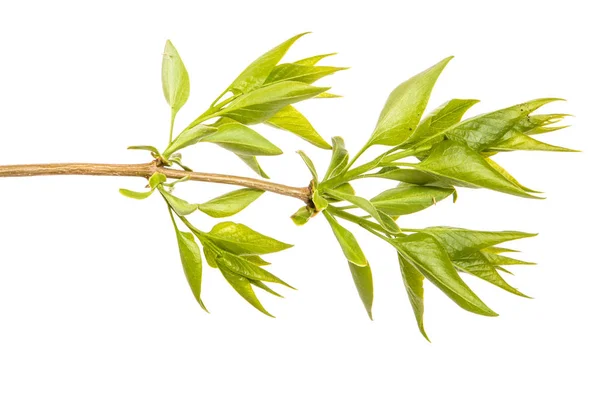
{"points": [[148, 148], [523, 142], [319, 201], [405, 106], [302, 216], [409, 176], [383, 219], [407, 199], [175, 79], [462, 166], [429, 257], [488, 273], [257, 72], [239, 239], [242, 140], [252, 162], [440, 119], [188, 137], [242, 285], [460, 242], [248, 269], [483, 131], [300, 73], [310, 165], [347, 241], [264, 287], [230, 203], [191, 259], [311, 61], [134, 194], [156, 179], [339, 159], [413, 283], [179, 206], [289, 119], [508, 176], [262, 104], [363, 280]]}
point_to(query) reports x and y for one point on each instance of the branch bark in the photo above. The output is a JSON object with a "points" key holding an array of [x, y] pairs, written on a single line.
{"points": [[146, 170]]}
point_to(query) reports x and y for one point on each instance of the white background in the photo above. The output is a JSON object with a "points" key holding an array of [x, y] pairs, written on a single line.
{"points": [[93, 301]]}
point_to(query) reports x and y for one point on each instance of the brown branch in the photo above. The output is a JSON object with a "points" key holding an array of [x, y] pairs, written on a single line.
{"points": [[146, 170]]}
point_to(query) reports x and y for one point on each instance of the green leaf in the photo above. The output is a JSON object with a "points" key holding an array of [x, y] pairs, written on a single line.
{"points": [[344, 188], [440, 119], [289, 119], [460, 242], [413, 283], [257, 72], [230, 203], [483, 131], [508, 176], [407, 199], [409, 176], [405, 106], [319, 201], [523, 142], [347, 241], [179, 206], [242, 285], [260, 105], [313, 60], [252, 162], [302, 216], [300, 73], [363, 280], [242, 140], [188, 137], [339, 159], [248, 269], [310, 165], [429, 257], [240, 239], [462, 166], [383, 219], [264, 287], [148, 148], [175, 79], [134, 194], [156, 179], [191, 259]]}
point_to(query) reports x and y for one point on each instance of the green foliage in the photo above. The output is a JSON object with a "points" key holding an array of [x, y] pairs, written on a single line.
{"points": [[428, 158]]}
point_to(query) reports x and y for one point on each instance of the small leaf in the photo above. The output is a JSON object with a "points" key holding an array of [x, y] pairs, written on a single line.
{"points": [[257, 72], [175, 79], [144, 148], [134, 194], [462, 166], [188, 137], [339, 159], [508, 176], [344, 188], [260, 105], [407, 199], [460, 242], [383, 219], [313, 60], [523, 142], [156, 179], [319, 201], [248, 269], [264, 287], [413, 283], [405, 106], [242, 140], [252, 162], [230, 203], [428, 256], [179, 206], [290, 119], [310, 165], [242, 285], [242, 240], [409, 176], [347, 241], [440, 119], [363, 280], [302, 216], [300, 73], [191, 259], [483, 131]]}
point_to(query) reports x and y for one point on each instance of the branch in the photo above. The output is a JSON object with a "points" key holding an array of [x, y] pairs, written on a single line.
{"points": [[146, 170]]}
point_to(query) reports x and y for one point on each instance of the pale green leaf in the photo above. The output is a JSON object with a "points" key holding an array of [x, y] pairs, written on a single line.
{"points": [[319, 201], [148, 148], [310, 165], [302, 216], [231, 203], [248, 269], [405, 106], [339, 159], [252, 162], [300, 73], [462, 166], [179, 206], [407, 199], [242, 140], [264, 287], [175, 79], [413, 283], [429, 257], [523, 142], [240, 239], [363, 280], [242, 285], [191, 259], [290, 119], [487, 272], [347, 241], [189, 136], [156, 179], [313, 60], [135, 194], [409, 176]]}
